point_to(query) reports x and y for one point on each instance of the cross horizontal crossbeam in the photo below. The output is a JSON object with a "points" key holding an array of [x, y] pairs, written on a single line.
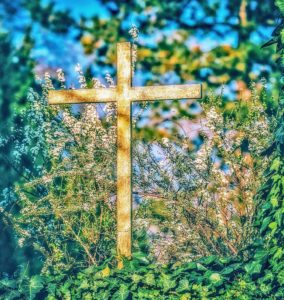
{"points": [[148, 93]]}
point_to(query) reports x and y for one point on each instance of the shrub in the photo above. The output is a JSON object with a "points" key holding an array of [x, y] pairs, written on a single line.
{"points": [[64, 207], [198, 192]]}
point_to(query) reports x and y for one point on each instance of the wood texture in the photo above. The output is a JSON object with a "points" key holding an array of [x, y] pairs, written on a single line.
{"points": [[102, 95], [156, 92], [124, 94], [124, 192], [98, 95]]}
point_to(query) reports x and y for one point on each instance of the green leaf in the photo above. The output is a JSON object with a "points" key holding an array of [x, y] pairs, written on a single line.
{"points": [[280, 5], [215, 278], [90, 270], [273, 226], [183, 285], [51, 288], [265, 223], [231, 268], [278, 216], [35, 286], [104, 295], [143, 293], [84, 285], [101, 283], [136, 278], [200, 267], [141, 257], [274, 201], [150, 279], [208, 260], [12, 295], [87, 296], [260, 255], [122, 293], [253, 268], [227, 270], [278, 254], [65, 290], [186, 296], [166, 282], [190, 266], [9, 283], [275, 164], [114, 283]]}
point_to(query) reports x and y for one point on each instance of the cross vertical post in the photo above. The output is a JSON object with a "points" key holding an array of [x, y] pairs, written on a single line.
{"points": [[124, 189]]}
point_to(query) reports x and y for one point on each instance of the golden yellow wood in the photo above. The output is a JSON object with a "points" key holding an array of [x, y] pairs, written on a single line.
{"points": [[124, 94], [124, 192]]}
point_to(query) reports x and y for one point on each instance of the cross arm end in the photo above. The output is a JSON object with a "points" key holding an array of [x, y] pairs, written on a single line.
{"points": [[98, 95], [186, 91]]}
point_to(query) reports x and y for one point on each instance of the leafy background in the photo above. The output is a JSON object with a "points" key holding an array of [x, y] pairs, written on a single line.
{"points": [[216, 43]]}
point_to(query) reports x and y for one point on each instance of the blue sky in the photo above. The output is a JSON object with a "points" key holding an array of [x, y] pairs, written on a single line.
{"points": [[86, 8]]}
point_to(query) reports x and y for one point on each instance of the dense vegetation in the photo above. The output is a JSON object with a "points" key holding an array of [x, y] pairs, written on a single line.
{"points": [[75, 243]]}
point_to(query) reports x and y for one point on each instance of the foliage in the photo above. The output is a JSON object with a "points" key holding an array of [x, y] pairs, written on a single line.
{"points": [[172, 52], [259, 276], [174, 48], [18, 21], [65, 205], [198, 194], [256, 273], [49, 17], [16, 47], [207, 278], [140, 278], [18, 63]]}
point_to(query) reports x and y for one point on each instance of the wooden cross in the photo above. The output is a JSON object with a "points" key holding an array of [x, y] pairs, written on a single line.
{"points": [[123, 94]]}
